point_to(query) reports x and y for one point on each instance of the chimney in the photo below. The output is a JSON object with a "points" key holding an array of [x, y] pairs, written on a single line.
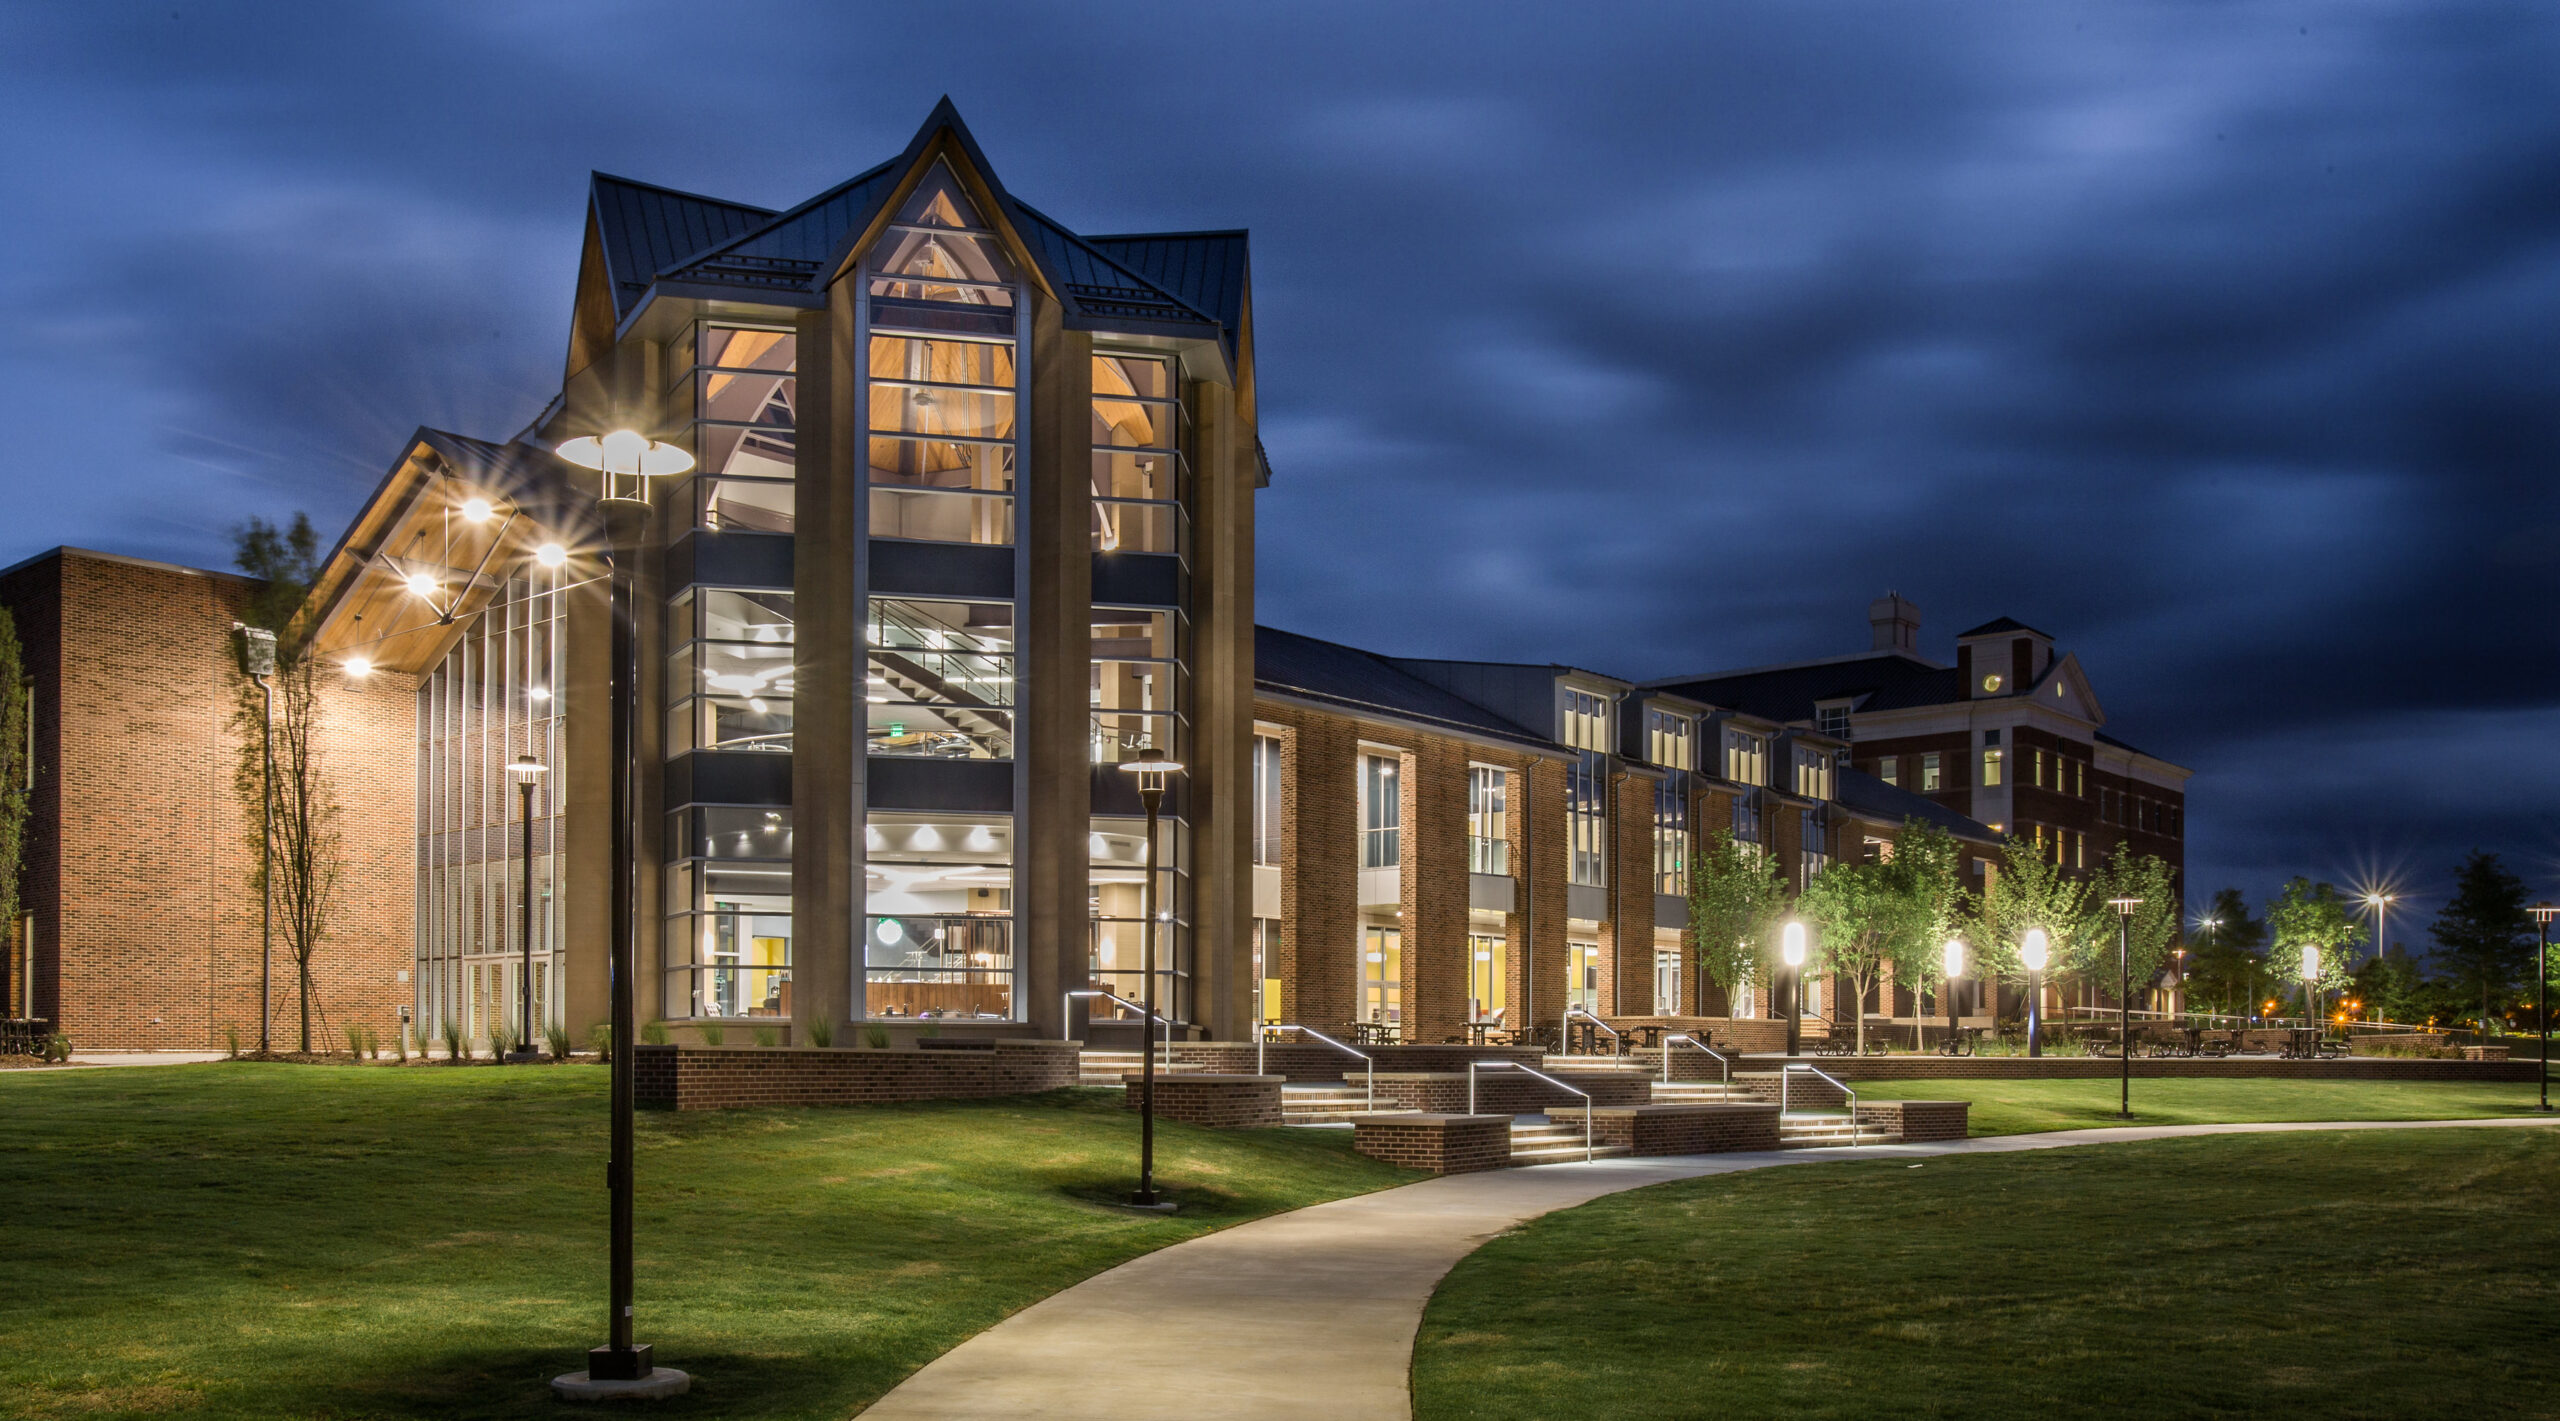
{"points": [[1896, 624]]}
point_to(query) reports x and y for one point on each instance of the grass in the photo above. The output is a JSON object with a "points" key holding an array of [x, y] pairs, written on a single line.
{"points": [[242, 1240], [2372, 1274], [2004, 1107]]}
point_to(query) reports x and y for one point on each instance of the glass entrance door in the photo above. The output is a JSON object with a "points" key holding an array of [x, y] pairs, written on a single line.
{"points": [[1382, 976], [1666, 983]]}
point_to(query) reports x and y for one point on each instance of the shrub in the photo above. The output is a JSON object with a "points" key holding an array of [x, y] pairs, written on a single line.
{"points": [[821, 1034], [372, 1045], [400, 1044], [713, 1033], [600, 1040], [877, 1037], [654, 1032], [57, 1047], [454, 1042], [231, 1034], [767, 1036], [355, 1041], [556, 1036], [502, 1039]]}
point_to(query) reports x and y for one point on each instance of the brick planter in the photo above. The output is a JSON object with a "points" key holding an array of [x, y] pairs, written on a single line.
{"points": [[1219, 1102], [730, 1077], [1916, 1119], [1442, 1144], [1704, 1128]]}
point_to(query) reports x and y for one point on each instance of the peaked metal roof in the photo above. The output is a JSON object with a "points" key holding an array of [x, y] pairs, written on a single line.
{"points": [[1365, 683], [1998, 625], [1863, 793], [1206, 269], [790, 250], [1884, 681], [646, 229]]}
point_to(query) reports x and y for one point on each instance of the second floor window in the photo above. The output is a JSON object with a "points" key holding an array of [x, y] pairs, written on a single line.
{"points": [[1815, 843], [1381, 813], [1932, 776], [1746, 822], [1266, 800], [1889, 770], [1990, 769], [1746, 758], [1488, 820], [1813, 773]]}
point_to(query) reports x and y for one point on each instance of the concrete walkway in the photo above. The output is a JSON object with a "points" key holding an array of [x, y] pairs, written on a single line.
{"points": [[1313, 1313]]}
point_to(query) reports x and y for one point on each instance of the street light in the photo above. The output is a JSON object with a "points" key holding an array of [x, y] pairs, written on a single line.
{"points": [[1792, 936], [2124, 998], [2543, 912], [625, 462], [1150, 767], [1954, 963], [526, 772], [2035, 952], [2380, 902]]}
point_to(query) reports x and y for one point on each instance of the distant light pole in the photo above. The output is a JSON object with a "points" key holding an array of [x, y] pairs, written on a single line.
{"points": [[1954, 963], [625, 462], [2380, 903], [1151, 767], [2035, 952], [526, 772], [2543, 912], [1792, 949], [2124, 998]]}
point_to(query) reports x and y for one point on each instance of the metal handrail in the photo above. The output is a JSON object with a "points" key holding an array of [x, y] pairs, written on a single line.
{"points": [[1514, 1065], [1067, 1004], [1260, 1038], [1566, 1024], [1844, 1090], [1701, 1045]]}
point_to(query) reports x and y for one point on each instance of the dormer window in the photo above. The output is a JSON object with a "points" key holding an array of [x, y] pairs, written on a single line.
{"points": [[1832, 719]]}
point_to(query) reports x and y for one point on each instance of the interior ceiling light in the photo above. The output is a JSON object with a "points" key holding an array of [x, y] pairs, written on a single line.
{"points": [[422, 584], [359, 667], [551, 555], [476, 510]]}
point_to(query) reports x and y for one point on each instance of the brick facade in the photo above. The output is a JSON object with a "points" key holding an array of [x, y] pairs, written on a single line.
{"points": [[1916, 1120], [1220, 1102], [1442, 1144], [1708, 1128]]}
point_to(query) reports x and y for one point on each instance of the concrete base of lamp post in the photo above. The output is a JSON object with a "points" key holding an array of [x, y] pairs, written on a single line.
{"points": [[661, 1382], [1161, 1206], [523, 1056]]}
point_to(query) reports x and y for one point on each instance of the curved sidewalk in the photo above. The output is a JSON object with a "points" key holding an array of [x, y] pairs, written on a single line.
{"points": [[1313, 1313]]}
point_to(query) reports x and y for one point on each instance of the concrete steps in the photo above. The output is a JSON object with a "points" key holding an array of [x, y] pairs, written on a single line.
{"points": [[1700, 1093], [1813, 1132], [1322, 1104], [1539, 1141], [1104, 1068]]}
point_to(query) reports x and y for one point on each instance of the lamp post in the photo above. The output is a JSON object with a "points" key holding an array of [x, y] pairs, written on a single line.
{"points": [[1151, 767], [526, 772], [2124, 999], [2543, 912], [625, 462], [2380, 903], [1954, 963], [1792, 938], [2035, 951], [2208, 924]]}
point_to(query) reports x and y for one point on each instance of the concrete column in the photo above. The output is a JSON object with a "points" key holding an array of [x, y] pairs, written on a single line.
{"points": [[1052, 762], [828, 672], [1321, 890], [1220, 788]]}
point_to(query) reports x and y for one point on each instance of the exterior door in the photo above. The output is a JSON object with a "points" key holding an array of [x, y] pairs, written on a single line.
{"points": [[1666, 984], [1382, 975]]}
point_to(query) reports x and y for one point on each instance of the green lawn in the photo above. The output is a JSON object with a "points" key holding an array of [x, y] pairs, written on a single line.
{"points": [[2373, 1274], [2030, 1107], [282, 1242]]}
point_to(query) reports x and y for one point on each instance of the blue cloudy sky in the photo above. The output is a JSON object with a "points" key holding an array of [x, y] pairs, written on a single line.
{"points": [[2220, 341]]}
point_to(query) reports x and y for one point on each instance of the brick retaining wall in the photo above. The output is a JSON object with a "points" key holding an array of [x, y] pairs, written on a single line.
{"points": [[1699, 1129], [1916, 1119], [729, 1077], [1442, 1144], [1221, 1102], [1511, 1092]]}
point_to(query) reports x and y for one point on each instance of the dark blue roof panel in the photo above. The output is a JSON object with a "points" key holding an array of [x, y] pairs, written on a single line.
{"points": [[646, 229], [1363, 682]]}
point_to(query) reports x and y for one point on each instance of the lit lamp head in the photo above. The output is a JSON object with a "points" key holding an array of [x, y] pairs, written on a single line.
{"points": [[2124, 906], [551, 555], [2036, 951], [527, 770], [627, 460], [1151, 768], [2310, 963], [1791, 944], [2544, 911], [1954, 951]]}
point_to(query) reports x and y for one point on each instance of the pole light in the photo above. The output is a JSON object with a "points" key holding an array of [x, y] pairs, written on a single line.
{"points": [[2543, 912], [2124, 998], [2380, 903], [526, 772], [625, 461], [1151, 769], [1792, 939], [1954, 963], [2035, 951]]}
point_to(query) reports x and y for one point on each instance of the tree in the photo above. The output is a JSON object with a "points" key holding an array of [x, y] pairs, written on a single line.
{"points": [[2033, 892], [2484, 936], [2314, 915], [14, 774], [305, 847], [1850, 908], [2153, 928], [2226, 961], [1735, 902], [1889, 915]]}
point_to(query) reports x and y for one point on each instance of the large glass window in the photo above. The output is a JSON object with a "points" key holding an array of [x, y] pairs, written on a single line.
{"points": [[1266, 800], [942, 382], [1814, 844], [1381, 813], [1136, 689], [1586, 729], [1671, 742], [1382, 976], [1813, 772], [1488, 819], [1488, 973], [1746, 822], [1746, 758], [729, 670], [1117, 870], [940, 679], [1138, 472], [729, 929], [938, 941], [745, 398]]}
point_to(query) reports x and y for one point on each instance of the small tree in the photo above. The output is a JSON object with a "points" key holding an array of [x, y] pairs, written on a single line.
{"points": [[14, 773], [2033, 892], [2314, 915], [1851, 910], [1735, 902], [305, 847], [2484, 936], [1888, 915]]}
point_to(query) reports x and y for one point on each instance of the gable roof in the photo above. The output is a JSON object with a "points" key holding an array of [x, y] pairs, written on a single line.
{"points": [[647, 228], [1364, 683], [1883, 681], [1998, 625], [1206, 269]]}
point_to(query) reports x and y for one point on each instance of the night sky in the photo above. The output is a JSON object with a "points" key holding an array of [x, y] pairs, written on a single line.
{"points": [[2219, 342]]}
